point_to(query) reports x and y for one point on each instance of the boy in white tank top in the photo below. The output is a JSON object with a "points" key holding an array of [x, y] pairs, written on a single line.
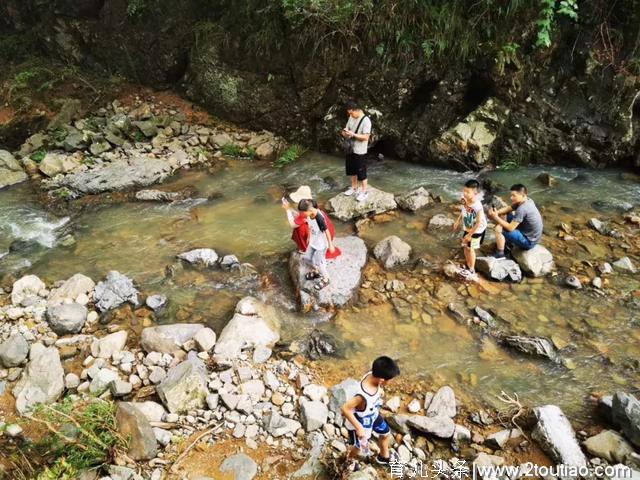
{"points": [[363, 410]]}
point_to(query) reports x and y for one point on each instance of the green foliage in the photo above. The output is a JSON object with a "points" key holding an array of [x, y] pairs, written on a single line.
{"points": [[233, 150], [507, 55], [60, 133], [38, 155], [136, 8], [290, 155], [512, 163], [547, 19]]}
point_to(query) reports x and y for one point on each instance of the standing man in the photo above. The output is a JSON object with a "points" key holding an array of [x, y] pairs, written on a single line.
{"points": [[523, 226], [357, 134]]}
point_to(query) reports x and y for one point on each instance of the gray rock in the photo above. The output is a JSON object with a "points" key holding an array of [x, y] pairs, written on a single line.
{"points": [[554, 434], [366, 473], [277, 425], [313, 466], [153, 411], [392, 251], [499, 269], [168, 338], [98, 147], [443, 403], [573, 282], [156, 302], [200, 256], [13, 351], [241, 466], [119, 175], [158, 196], [599, 226], [347, 208], [101, 381], [132, 424], [540, 346], [25, 287], [67, 318], [440, 221], [51, 164], [441, 426], [120, 388], [205, 339], [535, 262], [485, 316], [608, 445], [71, 289], [42, 381], [345, 273], [500, 438], [625, 264], [258, 327], [10, 170], [147, 127], [626, 415], [106, 346], [185, 386], [115, 290], [340, 393], [313, 414], [414, 200], [461, 434], [229, 261], [398, 422]]}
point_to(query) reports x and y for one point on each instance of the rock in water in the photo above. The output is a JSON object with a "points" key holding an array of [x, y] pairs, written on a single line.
{"points": [[133, 425], [254, 324], [200, 256], [499, 269], [114, 291], [42, 380], [539, 346], [440, 221], [185, 386], [392, 251], [556, 436], [168, 338], [241, 466], [573, 282], [158, 196], [624, 264], [414, 200], [10, 170], [535, 262], [67, 318], [547, 179], [626, 415], [345, 273], [347, 208]]}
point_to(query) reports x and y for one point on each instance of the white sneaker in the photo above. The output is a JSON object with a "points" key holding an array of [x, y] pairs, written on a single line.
{"points": [[350, 191], [362, 196]]}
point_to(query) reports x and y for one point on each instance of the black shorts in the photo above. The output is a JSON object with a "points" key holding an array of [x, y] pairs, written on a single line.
{"points": [[475, 235], [357, 165]]}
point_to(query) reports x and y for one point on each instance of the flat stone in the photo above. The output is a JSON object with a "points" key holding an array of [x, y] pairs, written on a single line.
{"points": [[205, 339], [42, 380], [206, 257], [132, 424], [347, 208], [185, 386], [609, 445], [499, 269], [392, 251], [535, 262], [441, 426], [443, 403], [168, 338], [313, 414], [414, 200], [110, 344], [14, 351], [241, 466]]}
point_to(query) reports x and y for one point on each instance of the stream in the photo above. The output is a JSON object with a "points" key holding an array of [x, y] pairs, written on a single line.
{"points": [[236, 210]]}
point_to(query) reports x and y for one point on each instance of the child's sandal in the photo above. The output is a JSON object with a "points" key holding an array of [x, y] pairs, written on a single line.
{"points": [[321, 284], [312, 275]]}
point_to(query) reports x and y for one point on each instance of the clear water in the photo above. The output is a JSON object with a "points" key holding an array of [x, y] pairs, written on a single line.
{"points": [[243, 216]]}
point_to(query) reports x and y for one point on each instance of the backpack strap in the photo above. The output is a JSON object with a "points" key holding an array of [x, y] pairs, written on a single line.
{"points": [[360, 123]]}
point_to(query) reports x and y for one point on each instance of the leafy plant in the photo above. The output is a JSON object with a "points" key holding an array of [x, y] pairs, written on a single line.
{"points": [[233, 150], [547, 19], [59, 134], [509, 164], [508, 55], [38, 155], [290, 155]]}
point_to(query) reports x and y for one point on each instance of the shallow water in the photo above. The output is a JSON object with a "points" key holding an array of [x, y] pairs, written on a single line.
{"points": [[238, 211]]}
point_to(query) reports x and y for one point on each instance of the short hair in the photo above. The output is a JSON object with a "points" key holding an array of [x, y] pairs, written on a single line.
{"points": [[472, 184], [305, 205], [385, 367], [352, 105], [520, 188]]}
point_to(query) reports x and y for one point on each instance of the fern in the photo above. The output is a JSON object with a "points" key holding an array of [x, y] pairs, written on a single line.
{"points": [[290, 155]]}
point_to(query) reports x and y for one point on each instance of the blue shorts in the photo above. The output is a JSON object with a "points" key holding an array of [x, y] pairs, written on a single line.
{"points": [[380, 426], [517, 238]]}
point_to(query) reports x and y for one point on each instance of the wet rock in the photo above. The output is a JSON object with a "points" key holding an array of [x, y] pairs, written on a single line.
{"points": [[319, 344], [619, 206], [554, 434], [168, 338], [539, 346], [626, 415], [185, 386], [71, 289], [547, 179], [499, 269], [573, 282], [241, 466], [132, 424], [599, 226], [156, 302], [158, 196], [13, 351], [345, 273], [624, 264], [441, 426], [313, 414], [67, 318], [413, 200], [443, 403], [200, 256], [42, 381], [229, 262], [392, 251], [440, 221], [119, 175], [608, 445], [535, 262], [27, 286], [485, 316], [115, 290], [347, 208], [10, 170], [254, 324]]}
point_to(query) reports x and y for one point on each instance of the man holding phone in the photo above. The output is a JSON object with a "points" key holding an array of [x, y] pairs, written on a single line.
{"points": [[523, 225], [356, 133]]}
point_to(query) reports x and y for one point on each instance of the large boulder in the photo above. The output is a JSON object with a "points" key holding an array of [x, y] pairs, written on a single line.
{"points": [[135, 427], [626, 415], [414, 200], [168, 338], [27, 286], [443, 403], [554, 434], [185, 386], [392, 251], [13, 351], [535, 262], [347, 208], [253, 324], [499, 269], [313, 414], [71, 289], [340, 393], [42, 380], [345, 273], [608, 445], [67, 318], [440, 426], [10, 170], [114, 291]]}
